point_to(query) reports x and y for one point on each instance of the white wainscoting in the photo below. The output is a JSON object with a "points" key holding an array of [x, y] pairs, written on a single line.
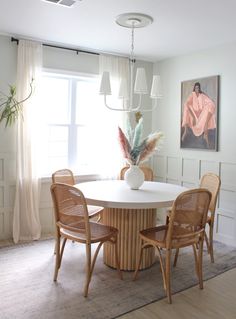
{"points": [[170, 169], [6, 198], [187, 172], [7, 195]]}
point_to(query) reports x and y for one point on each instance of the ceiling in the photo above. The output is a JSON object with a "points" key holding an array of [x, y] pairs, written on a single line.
{"points": [[179, 26]]}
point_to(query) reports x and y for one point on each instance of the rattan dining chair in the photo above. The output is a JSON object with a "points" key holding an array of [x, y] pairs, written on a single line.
{"points": [[211, 182], [66, 176], [148, 172], [186, 227], [72, 222]]}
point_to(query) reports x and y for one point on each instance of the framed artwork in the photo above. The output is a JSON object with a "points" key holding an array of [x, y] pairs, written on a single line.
{"points": [[199, 113]]}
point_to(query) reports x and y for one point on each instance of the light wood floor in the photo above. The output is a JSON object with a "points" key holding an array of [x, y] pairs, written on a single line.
{"points": [[216, 301]]}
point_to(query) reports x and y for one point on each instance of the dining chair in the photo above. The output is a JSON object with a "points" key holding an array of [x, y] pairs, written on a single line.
{"points": [[66, 176], [148, 172], [211, 182], [73, 223], [186, 227]]}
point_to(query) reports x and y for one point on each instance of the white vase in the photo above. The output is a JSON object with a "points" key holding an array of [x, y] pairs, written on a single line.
{"points": [[134, 177]]}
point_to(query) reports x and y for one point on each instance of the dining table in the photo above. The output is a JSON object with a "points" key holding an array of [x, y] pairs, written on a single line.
{"points": [[129, 211]]}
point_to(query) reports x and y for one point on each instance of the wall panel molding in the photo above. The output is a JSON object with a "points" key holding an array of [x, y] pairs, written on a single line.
{"points": [[6, 202], [187, 172], [183, 170]]}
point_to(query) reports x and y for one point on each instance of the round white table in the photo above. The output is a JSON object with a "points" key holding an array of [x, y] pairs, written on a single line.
{"points": [[129, 211]]}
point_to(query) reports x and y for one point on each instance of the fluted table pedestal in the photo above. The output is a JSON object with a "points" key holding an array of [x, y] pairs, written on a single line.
{"points": [[129, 222]]}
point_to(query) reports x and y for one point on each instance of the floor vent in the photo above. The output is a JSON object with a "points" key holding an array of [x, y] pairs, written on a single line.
{"points": [[66, 3]]}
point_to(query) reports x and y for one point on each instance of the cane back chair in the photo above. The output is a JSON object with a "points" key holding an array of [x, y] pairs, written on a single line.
{"points": [[211, 182], [73, 223], [186, 227], [66, 176]]}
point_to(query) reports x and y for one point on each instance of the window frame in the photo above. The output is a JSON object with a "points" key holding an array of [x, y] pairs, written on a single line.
{"points": [[73, 77]]}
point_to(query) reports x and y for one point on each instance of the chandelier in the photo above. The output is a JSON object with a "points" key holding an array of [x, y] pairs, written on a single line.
{"points": [[132, 21]]}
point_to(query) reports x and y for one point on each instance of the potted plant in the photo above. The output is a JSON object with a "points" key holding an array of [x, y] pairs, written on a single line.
{"points": [[10, 107], [137, 150]]}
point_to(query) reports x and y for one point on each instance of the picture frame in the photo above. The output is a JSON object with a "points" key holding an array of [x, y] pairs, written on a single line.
{"points": [[199, 113]]}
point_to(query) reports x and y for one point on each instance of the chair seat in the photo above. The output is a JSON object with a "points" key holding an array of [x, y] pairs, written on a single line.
{"points": [[99, 232], [77, 210], [157, 236], [94, 210]]}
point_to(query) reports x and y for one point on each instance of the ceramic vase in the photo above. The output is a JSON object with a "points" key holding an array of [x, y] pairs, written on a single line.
{"points": [[134, 177]]}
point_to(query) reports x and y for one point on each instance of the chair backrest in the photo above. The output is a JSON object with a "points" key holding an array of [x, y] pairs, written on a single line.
{"points": [[70, 209], [64, 176], [188, 217], [211, 182], [148, 172]]}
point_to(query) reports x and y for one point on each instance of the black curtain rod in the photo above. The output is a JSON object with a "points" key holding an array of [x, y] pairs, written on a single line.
{"points": [[59, 47]]}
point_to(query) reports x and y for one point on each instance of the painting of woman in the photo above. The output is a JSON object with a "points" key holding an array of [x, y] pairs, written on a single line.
{"points": [[199, 118]]}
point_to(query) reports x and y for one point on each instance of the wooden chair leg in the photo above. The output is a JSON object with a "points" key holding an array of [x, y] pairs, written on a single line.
{"points": [[88, 269], [167, 219], [176, 257], [55, 236], [58, 257], [99, 219], [211, 243], [168, 283], [162, 266], [196, 260], [200, 253], [138, 262], [94, 259], [207, 242], [62, 250], [117, 260]]}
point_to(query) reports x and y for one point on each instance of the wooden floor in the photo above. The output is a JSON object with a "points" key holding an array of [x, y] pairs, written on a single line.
{"points": [[216, 301]]}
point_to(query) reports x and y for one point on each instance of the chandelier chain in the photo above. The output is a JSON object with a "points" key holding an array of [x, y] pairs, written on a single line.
{"points": [[132, 43]]}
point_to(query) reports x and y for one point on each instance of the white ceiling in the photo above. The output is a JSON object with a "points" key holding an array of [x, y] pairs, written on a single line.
{"points": [[179, 26]]}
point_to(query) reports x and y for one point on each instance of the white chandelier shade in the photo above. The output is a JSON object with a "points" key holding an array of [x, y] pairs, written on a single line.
{"points": [[139, 86]]}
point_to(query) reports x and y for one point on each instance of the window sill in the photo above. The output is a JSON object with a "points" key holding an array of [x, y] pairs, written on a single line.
{"points": [[78, 178]]}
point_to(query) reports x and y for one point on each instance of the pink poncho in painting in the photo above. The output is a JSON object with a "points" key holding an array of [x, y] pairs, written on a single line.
{"points": [[200, 106]]}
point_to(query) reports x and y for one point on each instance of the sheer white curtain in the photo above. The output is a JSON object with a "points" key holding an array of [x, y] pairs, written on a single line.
{"points": [[118, 67], [112, 159], [26, 223]]}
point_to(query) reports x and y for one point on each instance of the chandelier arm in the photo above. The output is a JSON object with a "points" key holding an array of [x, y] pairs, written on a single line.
{"points": [[128, 110]]}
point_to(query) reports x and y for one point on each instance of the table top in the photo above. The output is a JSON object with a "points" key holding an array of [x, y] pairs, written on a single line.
{"points": [[117, 194]]}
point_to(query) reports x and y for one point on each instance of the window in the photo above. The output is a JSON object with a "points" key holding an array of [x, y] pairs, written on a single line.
{"points": [[79, 132]]}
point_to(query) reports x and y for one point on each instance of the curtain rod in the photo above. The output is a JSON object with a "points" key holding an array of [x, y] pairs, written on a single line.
{"points": [[59, 47]]}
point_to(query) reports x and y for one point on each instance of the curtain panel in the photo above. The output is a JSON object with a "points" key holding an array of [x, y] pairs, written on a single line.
{"points": [[112, 158], [26, 222]]}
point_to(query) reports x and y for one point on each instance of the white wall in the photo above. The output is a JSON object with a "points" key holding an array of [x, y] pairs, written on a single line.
{"points": [[185, 167], [7, 140], [55, 59]]}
